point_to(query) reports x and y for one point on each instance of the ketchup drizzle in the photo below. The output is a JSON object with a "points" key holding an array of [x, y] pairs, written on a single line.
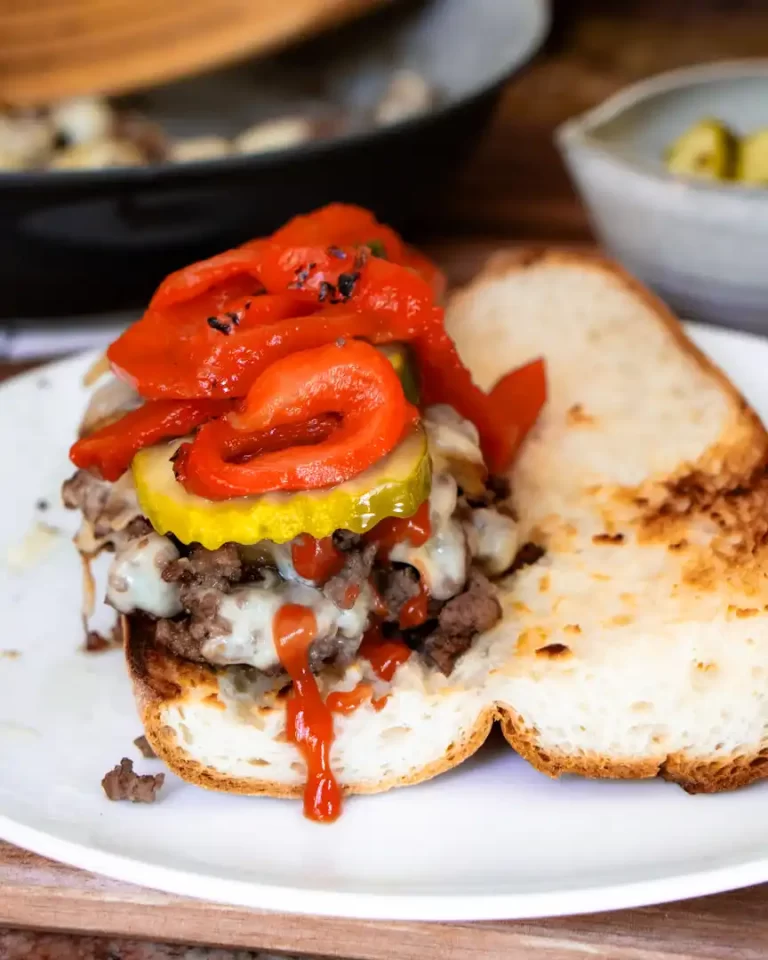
{"points": [[377, 601], [393, 530], [385, 656], [347, 701], [309, 722], [350, 595], [414, 611], [316, 560]]}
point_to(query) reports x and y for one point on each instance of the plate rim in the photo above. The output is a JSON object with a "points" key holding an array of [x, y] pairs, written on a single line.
{"points": [[387, 907], [308, 901]]}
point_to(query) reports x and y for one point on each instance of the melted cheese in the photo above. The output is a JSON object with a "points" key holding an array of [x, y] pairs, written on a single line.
{"points": [[442, 560], [135, 579], [493, 539], [247, 613], [450, 436]]}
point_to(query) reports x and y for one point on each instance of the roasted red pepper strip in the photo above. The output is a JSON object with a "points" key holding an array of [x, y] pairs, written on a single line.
{"points": [[197, 278], [307, 269], [343, 225], [310, 272], [109, 451], [235, 447], [352, 381], [445, 379], [207, 346], [427, 270], [336, 225], [195, 349], [386, 302], [518, 398]]}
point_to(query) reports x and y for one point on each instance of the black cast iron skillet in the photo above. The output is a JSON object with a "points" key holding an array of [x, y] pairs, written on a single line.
{"points": [[74, 242]]}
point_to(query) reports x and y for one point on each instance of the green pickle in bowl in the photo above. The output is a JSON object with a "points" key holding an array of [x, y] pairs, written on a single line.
{"points": [[711, 150]]}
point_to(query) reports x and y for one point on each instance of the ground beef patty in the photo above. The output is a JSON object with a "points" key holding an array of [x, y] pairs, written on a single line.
{"points": [[346, 540], [397, 585], [85, 492], [206, 569], [123, 783], [474, 611], [343, 589], [106, 506], [206, 576], [203, 577]]}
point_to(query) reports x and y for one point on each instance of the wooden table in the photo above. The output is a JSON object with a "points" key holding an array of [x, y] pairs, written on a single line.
{"points": [[514, 190], [36, 892]]}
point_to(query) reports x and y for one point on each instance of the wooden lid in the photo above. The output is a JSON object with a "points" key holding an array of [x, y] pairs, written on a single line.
{"points": [[52, 49]]}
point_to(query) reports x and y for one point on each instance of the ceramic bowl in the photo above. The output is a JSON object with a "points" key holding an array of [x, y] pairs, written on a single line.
{"points": [[702, 245]]}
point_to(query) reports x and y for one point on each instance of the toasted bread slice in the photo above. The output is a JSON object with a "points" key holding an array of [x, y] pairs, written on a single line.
{"points": [[636, 646]]}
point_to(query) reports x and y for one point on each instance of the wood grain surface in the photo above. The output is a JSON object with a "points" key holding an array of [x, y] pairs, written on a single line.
{"points": [[40, 893], [51, 49]]}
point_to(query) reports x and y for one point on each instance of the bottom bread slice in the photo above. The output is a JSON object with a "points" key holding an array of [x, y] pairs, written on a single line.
{"points": [[217, 736]]}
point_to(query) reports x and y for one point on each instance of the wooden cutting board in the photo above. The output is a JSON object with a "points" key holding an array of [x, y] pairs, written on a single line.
{"points": [[42, 894], [51, 49]]}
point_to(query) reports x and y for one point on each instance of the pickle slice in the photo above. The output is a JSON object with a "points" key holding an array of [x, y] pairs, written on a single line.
{"points": [[752, 164], [399, 355], [395, 486], [707, 149]]}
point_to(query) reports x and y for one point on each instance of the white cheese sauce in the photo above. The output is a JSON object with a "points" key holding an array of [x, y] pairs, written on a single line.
{"points": [[450, 437], [279, 555], [135, 579], [442, 560], [250, 611], [493, 539]]}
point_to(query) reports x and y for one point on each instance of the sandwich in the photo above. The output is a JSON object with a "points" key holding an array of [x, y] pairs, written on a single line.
{"points": [[608, 494], [305, 497]]}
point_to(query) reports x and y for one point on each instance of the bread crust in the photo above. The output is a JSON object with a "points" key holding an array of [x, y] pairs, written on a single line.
{"points": [[708, 774]]}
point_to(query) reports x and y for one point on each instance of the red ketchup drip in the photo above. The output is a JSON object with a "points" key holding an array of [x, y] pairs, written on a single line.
{"points": [[414, 611], [385, 656], [393, 530], [316, 560], [347, 701], [377, 601], [350, 595], [309, 722]]}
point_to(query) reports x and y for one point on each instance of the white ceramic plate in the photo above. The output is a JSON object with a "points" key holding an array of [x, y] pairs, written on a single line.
{"points": [[492, 839]]}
